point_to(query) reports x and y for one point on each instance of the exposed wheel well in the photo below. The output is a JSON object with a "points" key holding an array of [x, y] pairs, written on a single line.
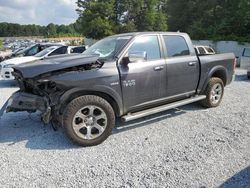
{"points": [[105, 96], [222, 75]]}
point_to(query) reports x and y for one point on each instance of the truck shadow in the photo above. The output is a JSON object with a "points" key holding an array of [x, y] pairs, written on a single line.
{"points": [[22, 127], [149, 120], [241, 179], [241, 78], [8, 84]]}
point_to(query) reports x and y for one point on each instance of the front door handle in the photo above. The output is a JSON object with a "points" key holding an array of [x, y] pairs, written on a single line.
{"points": [[159, 68], [191, 63]]}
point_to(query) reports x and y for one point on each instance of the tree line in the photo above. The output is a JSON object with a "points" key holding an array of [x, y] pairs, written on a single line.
{"points": [[202, 19], [51, 30]]}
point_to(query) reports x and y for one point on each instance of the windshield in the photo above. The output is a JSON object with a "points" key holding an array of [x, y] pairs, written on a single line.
{"points": [[45, 52], [108, 47], [26, 49]]}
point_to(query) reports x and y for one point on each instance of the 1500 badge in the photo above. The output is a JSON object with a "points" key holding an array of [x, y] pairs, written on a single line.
{"points": [[129, 83]]}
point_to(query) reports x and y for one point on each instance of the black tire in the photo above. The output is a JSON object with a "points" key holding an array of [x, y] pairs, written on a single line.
{"points": [[208, 103], [74, 107]]}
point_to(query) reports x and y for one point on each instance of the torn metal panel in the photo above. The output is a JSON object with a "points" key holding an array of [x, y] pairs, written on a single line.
{"points": [[33, 69], [21, 101]]}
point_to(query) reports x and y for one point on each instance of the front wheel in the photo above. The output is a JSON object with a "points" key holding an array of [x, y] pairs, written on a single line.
{"points": [[88, 120], [214, 93]]}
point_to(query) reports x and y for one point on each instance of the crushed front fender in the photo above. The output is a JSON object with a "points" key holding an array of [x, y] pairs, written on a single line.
{"points": [[22, 101]]}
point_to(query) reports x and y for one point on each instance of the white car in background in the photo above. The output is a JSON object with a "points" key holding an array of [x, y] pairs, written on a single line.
{"points": [[204, 50], [245, 61], [6, 66]]}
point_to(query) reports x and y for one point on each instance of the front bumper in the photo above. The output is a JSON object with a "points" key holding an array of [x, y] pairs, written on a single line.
{"points": [[22, 101]]}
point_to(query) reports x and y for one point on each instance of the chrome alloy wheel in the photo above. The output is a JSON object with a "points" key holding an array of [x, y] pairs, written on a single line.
{"points": [[89, 122], [216, 93]]}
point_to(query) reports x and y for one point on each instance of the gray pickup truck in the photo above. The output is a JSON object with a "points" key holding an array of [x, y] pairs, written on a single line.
{"points": [[126, 76]]}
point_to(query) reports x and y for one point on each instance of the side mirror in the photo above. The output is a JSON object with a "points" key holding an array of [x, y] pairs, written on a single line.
{"points": [[137, 56]]}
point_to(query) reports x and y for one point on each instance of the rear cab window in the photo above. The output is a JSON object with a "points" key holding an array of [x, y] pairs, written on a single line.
{"points": [[209, 50], [176, 46], [201, 50]]}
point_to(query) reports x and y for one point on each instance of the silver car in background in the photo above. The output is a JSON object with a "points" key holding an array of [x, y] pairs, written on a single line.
{"points": [[245, 61]]}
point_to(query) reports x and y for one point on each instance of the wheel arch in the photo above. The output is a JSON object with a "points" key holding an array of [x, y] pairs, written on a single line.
{"points": [[219, 72], [110, 97]]}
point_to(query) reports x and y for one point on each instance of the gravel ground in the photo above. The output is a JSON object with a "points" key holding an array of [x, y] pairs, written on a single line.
{"points": [[185, 147]]}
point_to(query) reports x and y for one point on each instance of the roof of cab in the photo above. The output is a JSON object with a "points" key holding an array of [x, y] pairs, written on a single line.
{"points": [[143, 33]]}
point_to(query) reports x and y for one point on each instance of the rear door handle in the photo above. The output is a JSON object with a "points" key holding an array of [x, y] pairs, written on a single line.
{"points": [[191, 63], [159, 68]]}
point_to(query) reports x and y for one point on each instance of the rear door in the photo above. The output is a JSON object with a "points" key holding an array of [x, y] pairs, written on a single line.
{"points": [[143, 81], [182, 66]]}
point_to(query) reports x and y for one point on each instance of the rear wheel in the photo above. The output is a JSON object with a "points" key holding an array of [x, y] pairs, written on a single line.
{"points": [[214, 93], [88, 120]]}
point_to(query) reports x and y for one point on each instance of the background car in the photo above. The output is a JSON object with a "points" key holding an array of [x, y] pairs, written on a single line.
{"points": [[5, 54], [10, 54], [204, 50], [245, 60], [34, 49], [6, 66]]}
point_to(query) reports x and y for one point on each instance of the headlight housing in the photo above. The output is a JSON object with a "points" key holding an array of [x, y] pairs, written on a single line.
{"points": [[8, 66]]}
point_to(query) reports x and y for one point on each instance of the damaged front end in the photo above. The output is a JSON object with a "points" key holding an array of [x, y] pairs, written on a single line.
{"points": [[22, 101], [40, 93], [34, 95]]}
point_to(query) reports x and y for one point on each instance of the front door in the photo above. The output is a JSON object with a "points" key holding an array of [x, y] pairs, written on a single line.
{"points": [[143, 81]]}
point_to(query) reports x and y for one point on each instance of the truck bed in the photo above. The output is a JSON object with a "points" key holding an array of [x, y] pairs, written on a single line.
{"points": [[225, 62]]}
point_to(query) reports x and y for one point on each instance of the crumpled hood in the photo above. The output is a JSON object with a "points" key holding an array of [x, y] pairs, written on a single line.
{"points": [[19, 60], [37, 68]]}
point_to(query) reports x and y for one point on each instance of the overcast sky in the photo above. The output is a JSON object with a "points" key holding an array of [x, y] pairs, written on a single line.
{"points": [[41, 12]]}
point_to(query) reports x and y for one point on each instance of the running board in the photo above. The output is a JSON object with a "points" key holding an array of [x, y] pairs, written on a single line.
{"points": [[133, 116]]}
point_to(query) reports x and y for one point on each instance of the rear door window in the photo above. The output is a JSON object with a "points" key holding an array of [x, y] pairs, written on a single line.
{"points": [[78, 50], [61, 50], [176, 46]]}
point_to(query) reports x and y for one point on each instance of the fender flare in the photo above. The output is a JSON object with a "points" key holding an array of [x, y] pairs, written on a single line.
{"points": [[96, 89], [210, 74]]}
